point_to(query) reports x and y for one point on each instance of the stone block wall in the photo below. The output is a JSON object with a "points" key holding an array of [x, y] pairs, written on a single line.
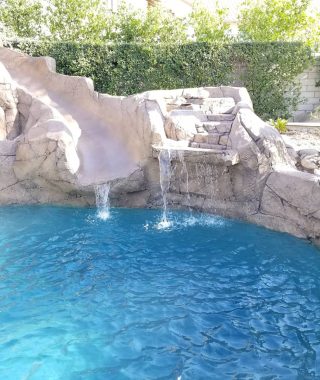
{"points": [[310, 92]]}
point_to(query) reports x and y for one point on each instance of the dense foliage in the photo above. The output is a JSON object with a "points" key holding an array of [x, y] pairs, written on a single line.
{"points": [[210, 26], [23, 18], [279, 20], [268, 70], [90, 21], [131, 51], [270, 73]]}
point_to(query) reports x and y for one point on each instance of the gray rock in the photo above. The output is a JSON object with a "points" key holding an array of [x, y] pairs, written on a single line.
{"points": [[224, 139], [308, 152], [213, 138], [201, 137]]}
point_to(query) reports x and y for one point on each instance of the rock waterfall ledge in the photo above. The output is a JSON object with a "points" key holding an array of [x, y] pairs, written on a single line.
{"points": [[59, 139]]}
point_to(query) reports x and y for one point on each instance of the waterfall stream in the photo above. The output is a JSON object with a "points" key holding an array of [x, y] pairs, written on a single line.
{"points": [[102, 201], [165, 176], [185, 171]]}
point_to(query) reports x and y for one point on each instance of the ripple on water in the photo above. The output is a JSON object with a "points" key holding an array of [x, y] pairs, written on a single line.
{"points": [[204, 298]]}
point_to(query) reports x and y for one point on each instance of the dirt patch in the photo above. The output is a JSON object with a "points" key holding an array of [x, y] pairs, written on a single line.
{"points": [[303, 138]]}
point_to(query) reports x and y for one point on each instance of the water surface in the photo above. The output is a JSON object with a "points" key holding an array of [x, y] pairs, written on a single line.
{"points": [[208, 298]]}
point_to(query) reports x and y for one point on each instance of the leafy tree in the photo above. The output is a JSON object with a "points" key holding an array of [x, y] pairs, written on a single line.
{"points": [[78, 20], [278, 20], [155, 25], [162, 25], [24, 18], [210, 26]]}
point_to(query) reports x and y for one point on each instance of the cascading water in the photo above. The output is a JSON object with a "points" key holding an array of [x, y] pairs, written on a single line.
{"points": [[191, 220], [165, 176], [185, 171], [102, 201]]}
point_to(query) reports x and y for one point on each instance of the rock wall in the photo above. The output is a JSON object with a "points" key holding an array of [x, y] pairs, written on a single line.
{"points": [[262, 185], [59, 139]]}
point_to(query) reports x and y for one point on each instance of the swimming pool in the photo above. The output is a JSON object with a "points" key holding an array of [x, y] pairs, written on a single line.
{"points": [[208, 298]]}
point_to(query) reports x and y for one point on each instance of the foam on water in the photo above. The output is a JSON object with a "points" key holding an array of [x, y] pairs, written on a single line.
{"points": [[164, 223], [186, 220]]}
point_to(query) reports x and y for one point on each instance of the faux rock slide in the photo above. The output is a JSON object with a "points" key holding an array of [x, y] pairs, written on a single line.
{"points": [[59, 139]]}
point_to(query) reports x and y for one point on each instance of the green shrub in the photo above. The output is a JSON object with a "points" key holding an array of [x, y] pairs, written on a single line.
{"points": [[270, 75], [129, 68], [279, 124], [267, 70]]}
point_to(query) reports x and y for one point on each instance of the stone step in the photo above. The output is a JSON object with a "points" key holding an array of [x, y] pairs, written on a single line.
{"points": [[215, 105], [225, 157], [219, 105], [201, 116], [211, 138], [224, 139], [212, 146], [217, 126], [207, 146], [207, 138], [201, 137], [221, 117]]}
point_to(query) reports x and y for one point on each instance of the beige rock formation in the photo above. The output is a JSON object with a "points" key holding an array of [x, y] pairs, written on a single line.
{"points": [[59, 138]]}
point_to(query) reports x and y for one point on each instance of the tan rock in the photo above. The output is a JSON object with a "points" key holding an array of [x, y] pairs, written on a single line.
{"points": [[68, 138], [3, 128]]}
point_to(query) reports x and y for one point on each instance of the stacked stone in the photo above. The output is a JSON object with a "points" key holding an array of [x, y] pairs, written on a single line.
{"points": [[204, 122], [214, 133]]}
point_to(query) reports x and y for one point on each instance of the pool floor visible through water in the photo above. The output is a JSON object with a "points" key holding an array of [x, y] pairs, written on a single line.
{"points": [[207, 298]]}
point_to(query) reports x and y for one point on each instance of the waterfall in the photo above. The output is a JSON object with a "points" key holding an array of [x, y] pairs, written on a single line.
{"points": [[190, 220], [185, 170], [102, 200], [165, 176]]}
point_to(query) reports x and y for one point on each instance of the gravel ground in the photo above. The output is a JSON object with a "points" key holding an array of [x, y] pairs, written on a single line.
{"points": [[303, 137]]}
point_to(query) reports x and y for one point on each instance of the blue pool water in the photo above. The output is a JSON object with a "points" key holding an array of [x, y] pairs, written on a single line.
{"points": [[209, 298]]}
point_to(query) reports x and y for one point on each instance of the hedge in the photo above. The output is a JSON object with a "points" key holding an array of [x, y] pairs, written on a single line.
{"points": [[268, 70]]}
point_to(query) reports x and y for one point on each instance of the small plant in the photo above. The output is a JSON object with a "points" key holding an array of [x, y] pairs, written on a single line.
{"points": [[279, 124], [315, 115]]}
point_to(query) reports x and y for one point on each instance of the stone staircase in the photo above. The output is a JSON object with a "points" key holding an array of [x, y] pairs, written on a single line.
{"points": [[214, 133], [197, 130], [213, 120]]}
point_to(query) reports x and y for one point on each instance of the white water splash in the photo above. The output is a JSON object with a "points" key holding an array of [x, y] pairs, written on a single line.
{"points": [[165, 177], [178, 222], [102, 201], [164, 223]]}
